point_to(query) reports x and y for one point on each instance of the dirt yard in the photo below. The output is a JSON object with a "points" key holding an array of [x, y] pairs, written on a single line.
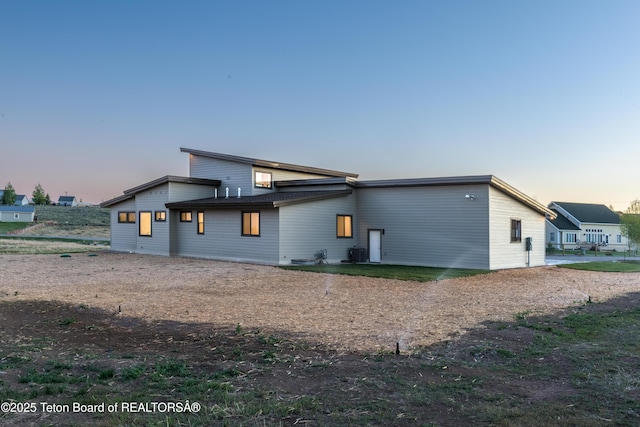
{"points": [[343, 313]]}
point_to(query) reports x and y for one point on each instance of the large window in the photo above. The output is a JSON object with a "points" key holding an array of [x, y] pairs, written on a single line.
{"points": [[251, 223], [516, 230], [145, 224], [200, 222], [570, 237], [185, 216], [344, 226], [263, 180], [128, 217]]}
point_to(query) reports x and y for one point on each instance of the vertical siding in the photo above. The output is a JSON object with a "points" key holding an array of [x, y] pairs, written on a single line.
{"points": [[307, 228], [222, 238], [123, 236], [505, 254], [432, 226]]}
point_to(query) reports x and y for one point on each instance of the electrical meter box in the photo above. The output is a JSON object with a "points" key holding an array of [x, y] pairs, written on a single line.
{"points": [[528, 245]]}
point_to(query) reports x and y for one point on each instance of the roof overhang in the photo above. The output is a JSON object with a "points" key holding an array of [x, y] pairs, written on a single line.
{"points": [[267, 163], [263, 201]]}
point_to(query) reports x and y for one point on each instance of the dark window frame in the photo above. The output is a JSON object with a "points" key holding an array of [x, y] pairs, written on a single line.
{"points": [[516, 230], [186, 216], [250, 234], [140, 223], [344, 234], [199, 222], [130, 217], [160, 216], [255, 179]]}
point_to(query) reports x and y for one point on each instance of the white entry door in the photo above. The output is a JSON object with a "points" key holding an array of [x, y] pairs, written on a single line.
{"points": [[374, 245]]}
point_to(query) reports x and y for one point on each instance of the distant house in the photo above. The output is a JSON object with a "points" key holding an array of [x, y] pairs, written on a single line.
{"points": [[67, 201], [21, 200], [251, 210], [584, 224], [17, 213]]}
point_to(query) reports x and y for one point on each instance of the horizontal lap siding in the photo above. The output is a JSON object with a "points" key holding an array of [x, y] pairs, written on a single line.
{"points": [[153, 200], [231, 174], [123, 236], [222, 237], [505, 254], [307, 228], [430, 226]]}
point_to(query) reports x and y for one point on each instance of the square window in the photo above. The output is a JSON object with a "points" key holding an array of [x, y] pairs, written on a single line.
{"points": [[263, 179], [185, 216], [161, 216]]}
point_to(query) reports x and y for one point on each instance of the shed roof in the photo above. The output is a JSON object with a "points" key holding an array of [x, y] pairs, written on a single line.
{"points": [[130, 193], [588, 212], [267, 163], [27, 209], [268, 200]]}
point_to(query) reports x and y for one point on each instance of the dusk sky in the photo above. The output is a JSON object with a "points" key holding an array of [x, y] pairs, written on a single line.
{"points": [[98, 96]]}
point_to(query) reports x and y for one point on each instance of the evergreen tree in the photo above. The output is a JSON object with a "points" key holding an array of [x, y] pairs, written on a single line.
{"points": [[9, 196], [47, 199], [38, 195]]}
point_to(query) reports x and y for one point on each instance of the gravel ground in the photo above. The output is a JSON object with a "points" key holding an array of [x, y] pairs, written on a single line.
{"points": [[342, 312]]}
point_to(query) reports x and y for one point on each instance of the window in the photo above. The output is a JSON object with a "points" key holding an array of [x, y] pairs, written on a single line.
{"points": [[161, 216], [263, 180], [185, 216], [16, 216], [145, 224], [570, 237], [200, 222], [251, 223], [516, 230], [618, 238], [552, 236], [127, 217], [344, 226]]}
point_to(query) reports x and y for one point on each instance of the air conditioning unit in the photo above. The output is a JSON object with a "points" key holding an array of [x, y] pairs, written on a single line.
{"points": [[358, 255]]}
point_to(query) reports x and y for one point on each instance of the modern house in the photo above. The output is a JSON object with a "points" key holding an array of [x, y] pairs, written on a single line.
{"points": [[584, 224], [17, 213], [250, 210], [67, 201]]}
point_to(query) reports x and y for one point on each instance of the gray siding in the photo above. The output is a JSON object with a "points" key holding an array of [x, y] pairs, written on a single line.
{"points": [[222, 237], [151, 201], [432, 226], [278, 175], [123, 236], [231, 174], [307, 228], [504, 253]]}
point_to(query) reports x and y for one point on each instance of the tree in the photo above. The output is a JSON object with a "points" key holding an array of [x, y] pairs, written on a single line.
{"points": [[9, 195], [630, 222], [38, 196]]}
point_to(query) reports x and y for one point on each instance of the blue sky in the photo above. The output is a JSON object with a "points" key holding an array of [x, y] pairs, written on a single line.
{"points": [[98, 96]]}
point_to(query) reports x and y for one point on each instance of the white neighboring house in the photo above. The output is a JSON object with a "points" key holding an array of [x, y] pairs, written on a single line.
{"points": [[67, 201], [17, 213], [251, 210], [580, 225], [21, 199]]}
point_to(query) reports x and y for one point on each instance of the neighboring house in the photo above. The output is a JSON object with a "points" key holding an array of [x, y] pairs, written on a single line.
{"points": [[21, 200], [67, 201], [17, 213], [584, 224], [250, 210]]}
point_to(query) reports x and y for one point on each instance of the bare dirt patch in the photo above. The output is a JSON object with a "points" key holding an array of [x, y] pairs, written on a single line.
{"points": [[347, 314]]}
